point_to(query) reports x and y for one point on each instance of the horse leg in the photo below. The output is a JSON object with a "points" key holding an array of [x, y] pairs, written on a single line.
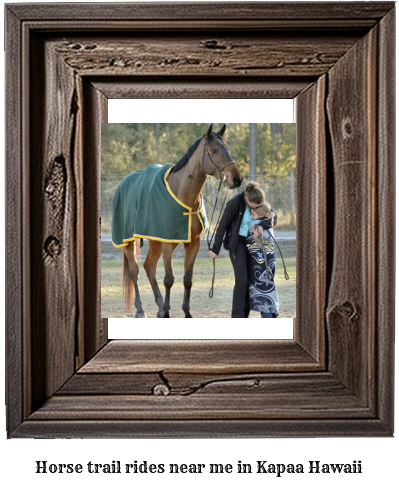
{"points": [[169, 279], [131, 255], [190, 254], [150, 266]]}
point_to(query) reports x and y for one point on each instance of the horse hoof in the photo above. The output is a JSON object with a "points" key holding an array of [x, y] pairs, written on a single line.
{"points": [[166, 314], [160, 314], [141, 314], [188, 315]]}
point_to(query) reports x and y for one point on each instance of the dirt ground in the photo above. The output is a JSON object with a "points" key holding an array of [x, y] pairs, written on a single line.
{"points": [[201, 305]]}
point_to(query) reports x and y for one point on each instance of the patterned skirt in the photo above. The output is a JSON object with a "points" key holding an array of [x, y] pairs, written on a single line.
{"points": [[262, 288]]}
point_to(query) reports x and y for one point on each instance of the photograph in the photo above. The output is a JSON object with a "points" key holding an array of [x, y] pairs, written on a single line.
{"points": [[204, 214]]}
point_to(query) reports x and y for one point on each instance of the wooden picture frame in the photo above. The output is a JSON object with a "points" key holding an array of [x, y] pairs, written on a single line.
{"points": [[64, 378]]}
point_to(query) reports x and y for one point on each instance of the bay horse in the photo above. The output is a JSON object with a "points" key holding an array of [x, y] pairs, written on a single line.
{"points": [[208, 155]]}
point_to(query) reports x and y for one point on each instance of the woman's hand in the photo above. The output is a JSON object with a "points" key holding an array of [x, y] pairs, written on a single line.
{"points": [[258, 231], [212, 255]]}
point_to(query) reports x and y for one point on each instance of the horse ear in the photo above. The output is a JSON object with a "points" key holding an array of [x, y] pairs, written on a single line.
{"points": [[209, 131], [222, 130]]}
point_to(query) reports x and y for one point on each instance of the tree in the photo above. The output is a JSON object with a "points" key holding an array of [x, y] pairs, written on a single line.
{"points": [[252, 151], [260, 150], [157, 136], [277, 149]]}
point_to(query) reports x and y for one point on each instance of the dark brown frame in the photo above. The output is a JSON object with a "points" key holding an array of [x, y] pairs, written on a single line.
{"points": [[64, 379]]}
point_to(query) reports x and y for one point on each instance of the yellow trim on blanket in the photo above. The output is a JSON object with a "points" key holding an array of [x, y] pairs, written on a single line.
{"points": [[156, 239], [197, 212], [189, 214], [119, 246], [171, 192], [190, 210]]}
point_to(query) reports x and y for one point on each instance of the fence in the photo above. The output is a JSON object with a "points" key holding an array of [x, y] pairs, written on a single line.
{"points": [[280, 193]]}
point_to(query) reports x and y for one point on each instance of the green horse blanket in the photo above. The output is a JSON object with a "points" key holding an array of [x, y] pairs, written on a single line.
{"points": [[145, 207]]}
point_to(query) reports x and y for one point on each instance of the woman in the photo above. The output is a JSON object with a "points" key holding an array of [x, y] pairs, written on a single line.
{"points": [[233, 231]]}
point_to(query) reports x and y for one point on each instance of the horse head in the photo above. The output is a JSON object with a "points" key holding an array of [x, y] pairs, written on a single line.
{"points": [[217, 160]]}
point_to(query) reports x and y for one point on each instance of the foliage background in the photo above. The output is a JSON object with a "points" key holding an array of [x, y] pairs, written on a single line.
{"points": [[264, 152], [126, 147]]}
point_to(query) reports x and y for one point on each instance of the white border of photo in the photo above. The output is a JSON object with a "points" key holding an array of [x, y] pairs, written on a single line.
{"points": [[178, 111]]}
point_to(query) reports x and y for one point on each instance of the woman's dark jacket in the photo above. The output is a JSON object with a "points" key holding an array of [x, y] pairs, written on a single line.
{"points": [[229, 226]]}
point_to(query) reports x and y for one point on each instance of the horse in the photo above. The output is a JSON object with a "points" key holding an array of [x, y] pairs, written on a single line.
{"points": [[208, 155]]}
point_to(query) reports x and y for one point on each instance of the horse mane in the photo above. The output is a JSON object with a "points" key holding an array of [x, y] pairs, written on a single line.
{"points": [[184, 160]]}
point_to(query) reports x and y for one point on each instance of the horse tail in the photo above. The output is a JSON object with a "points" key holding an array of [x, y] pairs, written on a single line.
{"points": [[128, 286]]}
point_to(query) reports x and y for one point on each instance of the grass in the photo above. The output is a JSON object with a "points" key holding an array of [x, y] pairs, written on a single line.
{"points": [[201, 305]]}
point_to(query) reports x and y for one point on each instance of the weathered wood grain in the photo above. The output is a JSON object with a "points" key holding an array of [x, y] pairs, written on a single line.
{"points": [[192, 428], [268, 396], [351, 109], [202, 407], [385, 241], [184, 384], [200, 356], [176, 87], [16, 262], [267, 383], [311, 219], [93, 331], [340, 26], [241, 55], [53, 212], [96, 384], [276, 11]]}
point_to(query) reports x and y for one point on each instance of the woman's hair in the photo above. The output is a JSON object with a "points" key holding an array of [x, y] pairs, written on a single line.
{"points": [[254, 193]]}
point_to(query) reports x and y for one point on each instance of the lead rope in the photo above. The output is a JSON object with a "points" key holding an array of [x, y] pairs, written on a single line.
{"points": [[210, 241], [281, 255]]}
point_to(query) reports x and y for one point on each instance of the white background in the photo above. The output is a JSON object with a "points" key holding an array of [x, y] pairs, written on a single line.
{"points": [[181, 111], [379, 456]]}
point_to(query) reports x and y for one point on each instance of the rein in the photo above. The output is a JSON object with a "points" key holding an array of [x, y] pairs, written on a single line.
{"points": [[210, 241], [260, 244], [281, 255], [222, 178]]}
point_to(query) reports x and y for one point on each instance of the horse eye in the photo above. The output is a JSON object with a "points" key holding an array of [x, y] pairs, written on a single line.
{"points": [[213, 150]]}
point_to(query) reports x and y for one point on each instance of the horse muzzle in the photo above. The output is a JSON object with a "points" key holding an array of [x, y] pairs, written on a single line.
{"points": [[236, 181], [232, 184]]}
